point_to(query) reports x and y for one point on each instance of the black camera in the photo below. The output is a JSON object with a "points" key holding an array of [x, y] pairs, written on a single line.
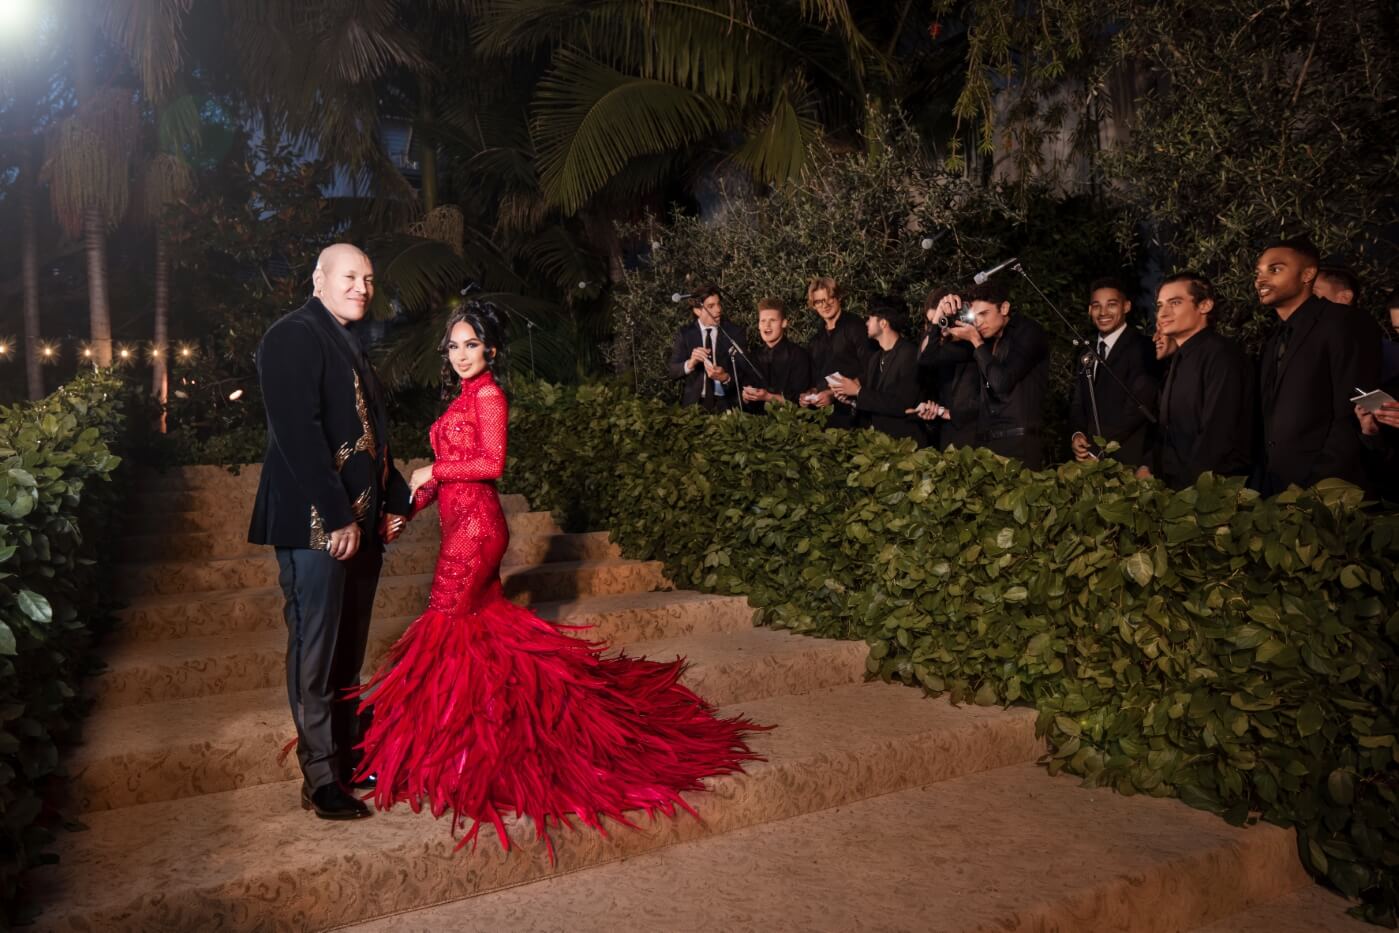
{"points": [[963, 316]]}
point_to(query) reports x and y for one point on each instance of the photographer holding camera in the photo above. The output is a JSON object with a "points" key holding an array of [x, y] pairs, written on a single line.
{"points": [[949, 378], [1012, 361]]}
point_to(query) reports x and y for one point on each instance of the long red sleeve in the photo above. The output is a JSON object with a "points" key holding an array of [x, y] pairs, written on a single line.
{"points": [[473, 442]]}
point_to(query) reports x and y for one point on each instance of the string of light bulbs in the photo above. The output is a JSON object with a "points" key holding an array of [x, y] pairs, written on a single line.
{"points": [[51, 352]]}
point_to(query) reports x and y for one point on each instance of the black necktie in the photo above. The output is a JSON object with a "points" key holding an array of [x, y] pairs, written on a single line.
{"points": [[709, 350], [1101, 358], [1284, 332]]}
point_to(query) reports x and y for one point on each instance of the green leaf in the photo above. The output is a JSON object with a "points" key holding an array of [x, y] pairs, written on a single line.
{"points": [[1340, 785], [1309, 719], [7, 640], [1139, 568]]}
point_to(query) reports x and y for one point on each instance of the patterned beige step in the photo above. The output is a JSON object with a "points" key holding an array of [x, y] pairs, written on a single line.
{"points": [[152, 671], [1311, 909], [182, 748], [195, 576], [224, 611], [164, 544], [250, 859], [208, 476], [1010, 849]]}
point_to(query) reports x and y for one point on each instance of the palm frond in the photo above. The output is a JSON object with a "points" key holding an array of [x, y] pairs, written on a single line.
{"points": [[776, 149], [563, 261], [590, 120], [152, 32], [417, 271], [89, 159]]}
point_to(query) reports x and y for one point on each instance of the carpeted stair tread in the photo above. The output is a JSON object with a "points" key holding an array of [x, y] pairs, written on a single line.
{"points": [[1311, 909], [250, 859], [147, 671], [1010, 849], [199, 575], [181, 748]]}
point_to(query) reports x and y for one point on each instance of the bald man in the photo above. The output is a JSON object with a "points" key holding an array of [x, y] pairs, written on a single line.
{"points": [[328, 500]]}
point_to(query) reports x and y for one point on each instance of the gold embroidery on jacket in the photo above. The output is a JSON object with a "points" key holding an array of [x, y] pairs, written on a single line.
{"points": [[367, 442], [361, 505], [319, 540]]}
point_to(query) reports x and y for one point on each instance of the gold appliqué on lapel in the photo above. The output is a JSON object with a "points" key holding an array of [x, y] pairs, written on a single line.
{"points": [[367, 442]]}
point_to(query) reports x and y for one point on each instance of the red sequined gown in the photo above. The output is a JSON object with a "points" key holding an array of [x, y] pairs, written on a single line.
{"points": [[484, 709]]}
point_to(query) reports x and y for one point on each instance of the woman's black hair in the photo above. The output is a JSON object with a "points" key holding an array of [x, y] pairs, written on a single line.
{"points": [[489, 324]]}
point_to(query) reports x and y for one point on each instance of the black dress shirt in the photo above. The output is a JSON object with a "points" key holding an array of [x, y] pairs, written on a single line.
{"points": [[1133, 360], [951, 379], [1311, 366], [845, 349], [785, 369], [1206, 411], [888, 389], [1014, 370]]}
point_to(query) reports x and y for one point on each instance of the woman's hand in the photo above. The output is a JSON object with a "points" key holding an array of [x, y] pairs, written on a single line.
{"points": [[421, 477]]}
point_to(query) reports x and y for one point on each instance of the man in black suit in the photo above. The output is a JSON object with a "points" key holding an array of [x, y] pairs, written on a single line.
{"points": [[1311, 366], [950, 381], [702, 353], [1130, 356], [886, 395], [840, 347], [328, 499], [1012, 361], [783, 368], [1207, 399]]}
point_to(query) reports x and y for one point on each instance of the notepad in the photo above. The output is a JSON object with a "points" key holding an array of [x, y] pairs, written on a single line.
{"points": [[1371, 401]]}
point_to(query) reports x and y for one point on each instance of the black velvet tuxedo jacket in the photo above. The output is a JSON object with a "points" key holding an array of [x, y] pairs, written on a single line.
{"points": [[786, 371], [689, 337], [1014, 371], [951, 378], [1133, 359], [1309, 428], [328, 462]]}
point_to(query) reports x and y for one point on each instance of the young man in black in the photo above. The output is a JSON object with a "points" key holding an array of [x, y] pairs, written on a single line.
{"points": [[1311, 366], [1012, 361], [950, 381], [702, 352], [840, 347], [887, 393], [1129, 354], [1207, 398], [785, 367]]}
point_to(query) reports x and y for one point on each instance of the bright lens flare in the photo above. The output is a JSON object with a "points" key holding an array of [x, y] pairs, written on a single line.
{"points": [[15, 17]]}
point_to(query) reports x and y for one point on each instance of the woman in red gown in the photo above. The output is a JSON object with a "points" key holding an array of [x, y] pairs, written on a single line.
{"points": [[483, 708]]}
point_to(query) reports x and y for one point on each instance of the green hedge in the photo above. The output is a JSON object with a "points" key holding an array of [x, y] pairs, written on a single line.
{"points": [[54, 496], [1236, 652]]}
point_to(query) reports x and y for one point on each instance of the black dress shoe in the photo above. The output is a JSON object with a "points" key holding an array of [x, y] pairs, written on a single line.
{"points": [[368, 782], [332, 803]]}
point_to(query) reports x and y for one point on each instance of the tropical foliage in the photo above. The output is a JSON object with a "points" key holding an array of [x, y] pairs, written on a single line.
{"points": [[1239, 653], [55, 500]]}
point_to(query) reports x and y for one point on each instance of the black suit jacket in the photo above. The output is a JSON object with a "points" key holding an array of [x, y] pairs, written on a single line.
{"points": [[1014, 378], [1206, 411], [785, 370], [953, 381], [328, 462], [844, 349], [1309, 426], [689, 337], [1133, 359], [887, 393]]}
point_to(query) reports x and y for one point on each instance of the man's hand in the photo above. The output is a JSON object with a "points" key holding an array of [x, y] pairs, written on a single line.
{"points": [[717, 373], [1388, 415], [1082, 447], [818, 399], [344, 542], [966, 332], [1369, 424], [845, 387], [754, 394], [391, 526], [929, 411], [1143, 472], [698, 356]]}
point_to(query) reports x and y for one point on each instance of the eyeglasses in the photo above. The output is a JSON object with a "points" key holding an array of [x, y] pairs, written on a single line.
{"points": [[822, 302]]}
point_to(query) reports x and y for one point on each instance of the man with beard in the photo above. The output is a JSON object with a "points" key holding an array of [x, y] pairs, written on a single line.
{"points": [[1130, 355], [840, 347], [888, 390], [1311, 366]]}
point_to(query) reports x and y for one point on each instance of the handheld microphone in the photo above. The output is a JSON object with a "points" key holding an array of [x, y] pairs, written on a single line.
{"points": [[981, 277]]}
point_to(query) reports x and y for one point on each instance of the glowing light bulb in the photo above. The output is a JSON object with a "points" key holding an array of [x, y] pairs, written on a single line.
{"points": [[235, 395]]}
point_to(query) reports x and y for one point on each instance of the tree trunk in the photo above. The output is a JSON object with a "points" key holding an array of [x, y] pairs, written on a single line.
{"points": [[29, 275], [427, 147], [98, 309], [160, 369]]}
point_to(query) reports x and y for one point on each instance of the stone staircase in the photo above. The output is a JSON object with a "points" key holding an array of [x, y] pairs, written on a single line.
{"points": [[875, 809]]}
